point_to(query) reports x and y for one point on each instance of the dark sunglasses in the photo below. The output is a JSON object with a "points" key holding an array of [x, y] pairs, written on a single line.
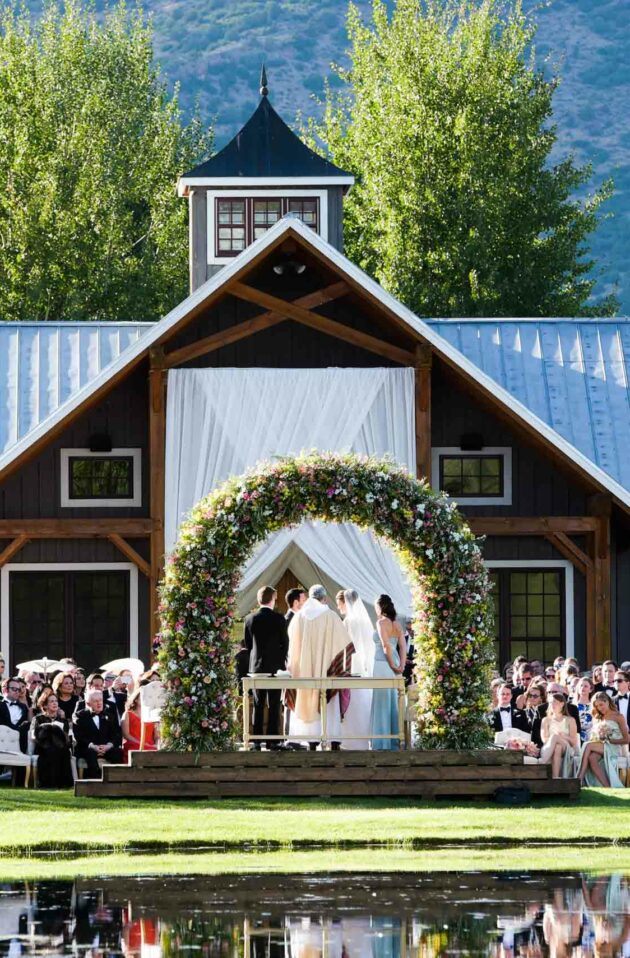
{"points": [[616, 681]]}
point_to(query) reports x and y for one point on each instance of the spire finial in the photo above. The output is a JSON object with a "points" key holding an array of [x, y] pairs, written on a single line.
{"points": [[264, 89]]}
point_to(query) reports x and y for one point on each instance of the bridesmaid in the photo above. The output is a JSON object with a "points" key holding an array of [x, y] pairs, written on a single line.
{"points": [[389, 662]]}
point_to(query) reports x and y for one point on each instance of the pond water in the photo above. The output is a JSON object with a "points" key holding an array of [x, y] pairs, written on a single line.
{"points": [[506, 915]]}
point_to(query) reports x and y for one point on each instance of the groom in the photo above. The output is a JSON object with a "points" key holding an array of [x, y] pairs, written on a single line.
{"points": [[268, 643]]}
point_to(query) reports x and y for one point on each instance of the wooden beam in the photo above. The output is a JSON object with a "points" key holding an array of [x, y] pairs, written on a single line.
{"points": [[12, 548], [530, 525], [157, 444], [567, 547], [242, 330], [127, 550], [603, 637], [323, 324], [423, 364], [74, 528]]}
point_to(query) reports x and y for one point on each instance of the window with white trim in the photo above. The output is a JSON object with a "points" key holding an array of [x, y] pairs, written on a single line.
{"points": [[100, 479], [474, 478], [238, 221]]}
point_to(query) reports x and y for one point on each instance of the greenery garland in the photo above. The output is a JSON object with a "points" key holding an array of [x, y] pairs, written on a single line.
{"points": [[435, 547]]}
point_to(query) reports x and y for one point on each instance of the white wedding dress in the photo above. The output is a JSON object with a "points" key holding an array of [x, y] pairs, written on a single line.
{"points": [[356, 721]]}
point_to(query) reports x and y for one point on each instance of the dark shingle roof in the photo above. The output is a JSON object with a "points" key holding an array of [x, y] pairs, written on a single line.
{"points": [[265, 147]]}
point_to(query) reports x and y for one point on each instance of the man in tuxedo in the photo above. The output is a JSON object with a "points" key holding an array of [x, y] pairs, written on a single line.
{"points": [[267, 639], [607, 683], [14, 713], [622, 698], [506, 716], [525, 675], [295, 599], [95, 683], [97, 736], [572, 709]]}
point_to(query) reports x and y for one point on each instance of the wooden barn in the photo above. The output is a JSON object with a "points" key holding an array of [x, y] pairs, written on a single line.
{"points": [[107, 430]]}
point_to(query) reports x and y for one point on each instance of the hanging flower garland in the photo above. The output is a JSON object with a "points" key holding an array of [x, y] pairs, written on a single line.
{"points": [[435, 547]]}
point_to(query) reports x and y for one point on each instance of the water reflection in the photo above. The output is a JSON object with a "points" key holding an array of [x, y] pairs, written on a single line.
{"points": [[351, 916]]}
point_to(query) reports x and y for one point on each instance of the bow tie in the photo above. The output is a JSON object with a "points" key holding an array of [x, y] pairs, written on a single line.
{"points": [[506, 708], [620, 697]]}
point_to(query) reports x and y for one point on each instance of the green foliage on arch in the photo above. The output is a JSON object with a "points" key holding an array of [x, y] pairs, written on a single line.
{"points": [[430, 539]]}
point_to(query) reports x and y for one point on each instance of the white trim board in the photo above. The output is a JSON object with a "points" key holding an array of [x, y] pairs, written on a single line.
{"points": [[67, 567], [212, 195], [234, 266], [504, 451], [569, 588], [130, 453], [185, 182]]}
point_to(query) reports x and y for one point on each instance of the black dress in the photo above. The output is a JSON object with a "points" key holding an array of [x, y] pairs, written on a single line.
{"points": [[53, 750]]}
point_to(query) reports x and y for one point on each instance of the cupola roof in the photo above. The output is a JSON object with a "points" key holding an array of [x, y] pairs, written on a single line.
{"points": [[266, 152]]}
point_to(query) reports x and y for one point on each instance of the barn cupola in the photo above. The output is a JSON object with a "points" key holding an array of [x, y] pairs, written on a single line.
{"points": [[264, 173]]}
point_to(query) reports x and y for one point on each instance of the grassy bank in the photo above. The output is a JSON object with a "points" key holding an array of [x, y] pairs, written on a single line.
{"points": [[506, 858], [35, 822]]}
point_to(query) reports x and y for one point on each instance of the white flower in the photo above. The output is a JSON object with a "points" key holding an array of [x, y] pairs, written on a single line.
{"points": [[369, 497], [395, 504]]}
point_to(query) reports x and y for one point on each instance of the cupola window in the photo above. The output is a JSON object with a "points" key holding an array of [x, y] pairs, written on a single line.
{"points": [[231, 225], [241, 220]]}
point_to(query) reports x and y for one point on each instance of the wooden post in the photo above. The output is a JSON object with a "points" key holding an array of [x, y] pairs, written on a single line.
{"points": [[600, 507], [423, 361], [157, 439]]}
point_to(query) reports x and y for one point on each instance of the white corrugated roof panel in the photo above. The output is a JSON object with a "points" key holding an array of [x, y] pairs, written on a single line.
{"points": [[571, 373], [43, 365]]}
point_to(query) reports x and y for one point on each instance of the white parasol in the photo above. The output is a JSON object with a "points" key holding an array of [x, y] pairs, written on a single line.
{"points": [[44, 665], [135, 666]]}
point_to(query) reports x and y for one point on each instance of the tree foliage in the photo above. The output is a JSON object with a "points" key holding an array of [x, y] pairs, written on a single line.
{"points": [[460, 208], [91, 145]]}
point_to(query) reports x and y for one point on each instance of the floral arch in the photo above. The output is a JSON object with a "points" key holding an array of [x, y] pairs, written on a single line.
{"points": [[426, 532]]}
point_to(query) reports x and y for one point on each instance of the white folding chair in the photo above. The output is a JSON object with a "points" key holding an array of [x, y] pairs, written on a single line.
{"points": [[10, 753], [152, 701]]}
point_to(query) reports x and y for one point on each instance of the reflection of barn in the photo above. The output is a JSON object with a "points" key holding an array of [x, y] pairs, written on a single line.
{"points": [[526, 423]]}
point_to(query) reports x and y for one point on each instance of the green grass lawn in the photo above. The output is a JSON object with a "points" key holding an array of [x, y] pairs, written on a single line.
{"points": [[34, 822]]}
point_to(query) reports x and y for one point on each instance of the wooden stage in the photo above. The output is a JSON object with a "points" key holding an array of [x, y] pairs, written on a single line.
{"points": [[283, 774]]}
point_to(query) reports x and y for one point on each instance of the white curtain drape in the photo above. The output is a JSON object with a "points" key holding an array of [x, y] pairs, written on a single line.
{"points": [[221, 422]]}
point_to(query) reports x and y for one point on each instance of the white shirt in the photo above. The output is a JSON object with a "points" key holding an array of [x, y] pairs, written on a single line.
{"points": [[14, 711], [97, 720], [506, 717], [622, 705]]}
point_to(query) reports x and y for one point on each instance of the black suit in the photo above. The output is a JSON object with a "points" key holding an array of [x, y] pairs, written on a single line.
{"points": [[289, 616], [86, 733], [608, 689], [267, 639], [21, 726], [573, 711], [625, 714], [519, 719]]}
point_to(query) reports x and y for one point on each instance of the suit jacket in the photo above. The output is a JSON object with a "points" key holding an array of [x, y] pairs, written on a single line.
{"points": [[608, 689], [573, 711], [5, 715], [86, 733], [519, 720], [617, 706], [267, 639]]}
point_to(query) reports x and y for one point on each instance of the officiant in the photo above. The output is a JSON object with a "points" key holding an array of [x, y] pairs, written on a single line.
{"points": [[319, 647]]}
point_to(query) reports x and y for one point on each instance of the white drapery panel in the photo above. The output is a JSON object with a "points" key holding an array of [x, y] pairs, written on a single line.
{"points": [[221, 422]]}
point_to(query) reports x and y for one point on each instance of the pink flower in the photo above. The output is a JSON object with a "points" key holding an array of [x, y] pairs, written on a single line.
{"points": [[187, 700]]}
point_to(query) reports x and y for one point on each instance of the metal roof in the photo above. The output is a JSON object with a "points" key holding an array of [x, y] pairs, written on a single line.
{"points": [[567, 379], [43, 365], [572, 374], [266, 148]]}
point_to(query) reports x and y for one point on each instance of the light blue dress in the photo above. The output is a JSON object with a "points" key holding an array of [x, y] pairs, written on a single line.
{"points": [[609, 759], [384, 717]]}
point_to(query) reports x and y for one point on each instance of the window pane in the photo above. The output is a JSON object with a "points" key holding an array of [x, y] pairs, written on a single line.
{"points": [[552, 605], [535, 650], [535, 625], [518, 604], [97, 477], [535, 582], [490, 467], [519, 625], [491, 485], [470, 467], [517, 648], [552, 650], [552, 625], [518, 582], [535, 605], [552, 582], [470, 485], [451, 467]]}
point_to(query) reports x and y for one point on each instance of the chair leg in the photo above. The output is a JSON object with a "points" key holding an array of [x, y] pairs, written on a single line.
{"points": [[27, 776]]}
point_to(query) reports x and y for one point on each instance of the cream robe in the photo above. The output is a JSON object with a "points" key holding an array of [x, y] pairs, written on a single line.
{"points": [[316, 637]]}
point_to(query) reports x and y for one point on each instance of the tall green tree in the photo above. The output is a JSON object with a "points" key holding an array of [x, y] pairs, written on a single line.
{"points": [[91, 145], [459, 208]]}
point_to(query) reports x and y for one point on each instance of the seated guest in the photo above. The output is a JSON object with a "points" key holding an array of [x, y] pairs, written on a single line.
{"points": [[571, 708], [94, 683], [506, 716], [96, 735], [495, 685], [609, 733], [80, 683], [560, 738], [13, 713], [533, 698], [63, 687], [622, 698], [582, 700], [114, 692], [24, 698], [607, 683], [131, 726], [525, 675], [49, 731]]}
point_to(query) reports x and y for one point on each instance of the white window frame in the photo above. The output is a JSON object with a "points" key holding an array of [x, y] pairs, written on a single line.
{"points": [[504, 451], [262, 194], [5, 592], [569, 589], [68, 503]]}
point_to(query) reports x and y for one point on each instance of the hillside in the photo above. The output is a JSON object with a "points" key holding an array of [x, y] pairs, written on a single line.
{"points": [[214, 49]]}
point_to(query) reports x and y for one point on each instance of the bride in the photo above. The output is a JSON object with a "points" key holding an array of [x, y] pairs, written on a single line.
{"points": [[356, 721]]}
